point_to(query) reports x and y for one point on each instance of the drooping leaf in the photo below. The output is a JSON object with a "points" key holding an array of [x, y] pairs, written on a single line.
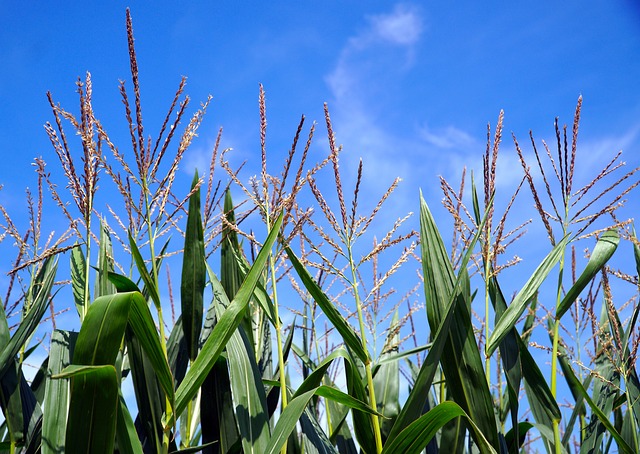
{"points": [[418, 434], [102, 330], [41, 291], [605, 247], [143, 326], [525, 295], [622, 444], [193, 274], [149, 284], [351, 339]]}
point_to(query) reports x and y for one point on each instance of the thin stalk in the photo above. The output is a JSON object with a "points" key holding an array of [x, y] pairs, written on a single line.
{"points": [[278, 326], [87, 265], [367, 366], [154, 271], [556, 336], [487, 358]]}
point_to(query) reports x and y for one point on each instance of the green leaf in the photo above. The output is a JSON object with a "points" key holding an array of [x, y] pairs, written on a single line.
{"points": [[122, 283], [41, 290], [230, 273], [386, 382], [605, 247], [245, 379], [126, 435], [193, 274], [150, 285], [56, 400], [525, 295], [418, 434], [575, 383], [217, 420], [351, 339], [463, 367], [225, 327], [105, 264], [102, 330], [92, 409], [413, 407], [362, 421], [78, 278], [10, 399], [144, 328], [287, 421]]}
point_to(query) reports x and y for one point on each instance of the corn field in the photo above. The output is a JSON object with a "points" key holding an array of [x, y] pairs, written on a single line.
{"points": [[287, 334]]}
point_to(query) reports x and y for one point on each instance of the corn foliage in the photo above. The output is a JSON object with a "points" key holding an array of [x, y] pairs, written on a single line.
{"points": [[288, 336]]}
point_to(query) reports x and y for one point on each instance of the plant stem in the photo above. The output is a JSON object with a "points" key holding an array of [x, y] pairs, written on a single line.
{"points": [[367, 366], [278, 325], [556, 335], [154, 271]]}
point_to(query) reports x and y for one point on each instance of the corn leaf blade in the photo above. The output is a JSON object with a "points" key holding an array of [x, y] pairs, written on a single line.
{"points": [[193, 274], [225, 327], [605, 247]]}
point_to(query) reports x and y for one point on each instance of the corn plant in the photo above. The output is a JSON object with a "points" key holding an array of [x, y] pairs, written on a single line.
{"points": [[354, 368]]}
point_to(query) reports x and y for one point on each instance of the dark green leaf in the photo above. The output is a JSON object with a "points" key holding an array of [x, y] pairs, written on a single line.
{"points": [[225, 327], [605, 247], [193, 274], [351, 339]]}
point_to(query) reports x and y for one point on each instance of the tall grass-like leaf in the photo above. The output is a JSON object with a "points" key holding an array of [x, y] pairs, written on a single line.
{"points": [[287, 421], [217, 416], [150, 399], [177, 354], [94, 392], [93, 408], [105, 264], [102, 330], [225, 327], [246, 383], [149, 285], [575, 383], [417, 435], [314, 440], [605, 247], [351, 339], [413, 407], [126, 434], [463, 367], [525, 295], [230, 273], [42, 286], [78, 266], [10, 399], [386, 382], [362, 424], [56, 401], [193, 274], [143, 326]]}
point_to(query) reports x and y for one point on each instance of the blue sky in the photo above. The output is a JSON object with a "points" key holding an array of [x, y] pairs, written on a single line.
{"points": [[411, 86]]}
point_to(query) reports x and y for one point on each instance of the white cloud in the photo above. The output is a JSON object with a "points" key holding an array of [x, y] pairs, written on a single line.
{"points": [[403, 26], [448, 137]]}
